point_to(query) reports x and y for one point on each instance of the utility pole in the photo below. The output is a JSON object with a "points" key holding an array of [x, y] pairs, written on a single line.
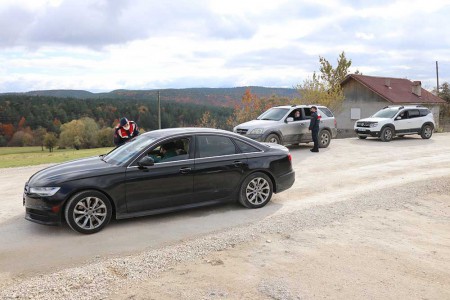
{"points": [[437, 78], [159, 110]]}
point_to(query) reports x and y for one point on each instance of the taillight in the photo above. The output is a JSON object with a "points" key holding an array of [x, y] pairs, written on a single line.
{"points": [[335, 123], [289, 157]]}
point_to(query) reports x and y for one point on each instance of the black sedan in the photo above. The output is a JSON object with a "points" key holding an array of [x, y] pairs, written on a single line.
{"points": [[157, 172]]}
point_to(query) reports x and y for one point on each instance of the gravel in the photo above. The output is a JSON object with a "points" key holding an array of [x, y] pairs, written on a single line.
{"points": [[101, 279]]}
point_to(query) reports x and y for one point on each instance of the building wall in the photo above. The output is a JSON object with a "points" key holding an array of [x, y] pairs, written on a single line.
{"points": [[357, 97]]}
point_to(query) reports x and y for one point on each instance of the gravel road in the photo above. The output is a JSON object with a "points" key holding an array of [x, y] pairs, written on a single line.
{"points": [[353, 182]]}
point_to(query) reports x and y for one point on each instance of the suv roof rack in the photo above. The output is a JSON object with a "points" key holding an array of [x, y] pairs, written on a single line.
{"points": [[399, 107]]}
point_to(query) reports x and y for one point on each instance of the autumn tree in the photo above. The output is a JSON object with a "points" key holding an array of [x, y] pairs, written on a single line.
{"points": [[105, 137], [50, 141], [207, 120], [79, 134], [325, 88], [39, 135]]}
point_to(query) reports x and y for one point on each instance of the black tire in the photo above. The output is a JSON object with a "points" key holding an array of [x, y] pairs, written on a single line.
{"points": [[387, 134], [93, 212], [256, 190], [324, 138], [426, 132], [362, 137], [273, 138]]}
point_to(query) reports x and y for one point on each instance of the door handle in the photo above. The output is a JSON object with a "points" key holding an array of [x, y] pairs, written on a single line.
{"points": [[238, 163], [185, 170], [302, 124]]}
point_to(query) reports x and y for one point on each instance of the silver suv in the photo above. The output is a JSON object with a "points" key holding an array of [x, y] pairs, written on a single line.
{"points": [[394, 121], [289, 125]]}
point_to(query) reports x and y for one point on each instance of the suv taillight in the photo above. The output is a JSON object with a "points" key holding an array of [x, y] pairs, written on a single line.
{"points": [[335, 123]]}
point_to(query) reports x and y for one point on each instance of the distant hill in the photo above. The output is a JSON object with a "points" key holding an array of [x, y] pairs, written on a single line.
{"points": [[224, 97]]}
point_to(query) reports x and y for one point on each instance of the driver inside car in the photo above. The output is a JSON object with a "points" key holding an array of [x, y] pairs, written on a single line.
{"points": [[166, 151]]}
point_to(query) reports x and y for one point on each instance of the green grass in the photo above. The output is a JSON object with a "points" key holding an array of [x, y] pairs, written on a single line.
{"points": [[28, 156]]}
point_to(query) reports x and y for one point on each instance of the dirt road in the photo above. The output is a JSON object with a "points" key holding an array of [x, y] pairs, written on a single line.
{"points": [[377, 225]]}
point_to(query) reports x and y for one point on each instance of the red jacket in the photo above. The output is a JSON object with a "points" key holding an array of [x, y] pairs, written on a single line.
{"points": [[121, 136]]}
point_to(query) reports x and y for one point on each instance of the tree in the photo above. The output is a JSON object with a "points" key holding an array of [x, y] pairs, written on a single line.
{"points": [[444, 92], [325, 88], [39, 135], [21, 138], [105, 137], [50, 141], [79, 134], [207, 121]]}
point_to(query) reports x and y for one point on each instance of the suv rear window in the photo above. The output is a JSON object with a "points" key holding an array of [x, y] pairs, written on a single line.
{"points": [[424, 112], [326, 111], [413, 113]]}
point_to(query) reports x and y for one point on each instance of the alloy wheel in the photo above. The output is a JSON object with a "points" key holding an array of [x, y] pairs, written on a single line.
{"points": [[257, 191], [90, 213]]}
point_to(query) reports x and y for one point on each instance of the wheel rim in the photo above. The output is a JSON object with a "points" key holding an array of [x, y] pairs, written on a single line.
{"points": [[273, 140], [90, 213], [257, 191], [388, 134], [324, 138], [427, 132]]}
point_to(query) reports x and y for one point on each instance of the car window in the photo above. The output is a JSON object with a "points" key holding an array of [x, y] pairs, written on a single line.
{"points": [[403, 115], [326, 111], [386, 113], [214, 145], [296, 114], [273, 114], [128, 150], [170, 150], [307, 112], [246, 148], [413, 113]]}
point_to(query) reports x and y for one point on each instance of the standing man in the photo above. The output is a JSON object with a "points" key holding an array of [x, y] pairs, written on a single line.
{"points": [[125, 131], [314, 128]]}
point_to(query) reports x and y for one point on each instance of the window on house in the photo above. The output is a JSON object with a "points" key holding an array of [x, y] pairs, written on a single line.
{"points": [[355, 113]]}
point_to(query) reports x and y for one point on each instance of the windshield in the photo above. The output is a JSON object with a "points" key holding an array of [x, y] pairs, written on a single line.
{"points": [[273, 114], [122, 154], [386, 113]]}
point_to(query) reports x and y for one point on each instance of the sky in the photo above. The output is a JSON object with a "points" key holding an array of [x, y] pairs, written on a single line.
{"points": [[101, 45]]}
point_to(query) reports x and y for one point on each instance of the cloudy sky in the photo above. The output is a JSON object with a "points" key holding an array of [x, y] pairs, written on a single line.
{"points": [[102, 45]]}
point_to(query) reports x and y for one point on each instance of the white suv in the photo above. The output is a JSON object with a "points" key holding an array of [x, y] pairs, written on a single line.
{"points": [[397, 121]]}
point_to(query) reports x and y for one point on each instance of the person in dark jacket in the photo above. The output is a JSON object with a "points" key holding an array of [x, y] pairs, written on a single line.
{"points": [[125, 131], [314, 128]]}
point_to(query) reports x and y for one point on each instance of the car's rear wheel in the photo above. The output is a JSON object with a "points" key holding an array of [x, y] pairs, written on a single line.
{"points": [[324, 139], [427, 132], [273, 138], [387, 134], [88, 212], [256, 190], [362, 137]]}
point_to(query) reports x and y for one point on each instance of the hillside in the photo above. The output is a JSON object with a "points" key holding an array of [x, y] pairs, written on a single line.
{"points": [[223, 97]]}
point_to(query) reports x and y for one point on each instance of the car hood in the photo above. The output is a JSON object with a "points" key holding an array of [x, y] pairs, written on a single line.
{"points": [[372, 120], [257, 124], [76, 169]]}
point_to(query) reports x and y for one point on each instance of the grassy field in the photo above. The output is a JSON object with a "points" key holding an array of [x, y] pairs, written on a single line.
{"points": [[28, 156]]}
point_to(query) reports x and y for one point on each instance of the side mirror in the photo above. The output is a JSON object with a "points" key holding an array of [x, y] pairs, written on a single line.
{"points": [[145, 162], [290, 119], [398, 118]]}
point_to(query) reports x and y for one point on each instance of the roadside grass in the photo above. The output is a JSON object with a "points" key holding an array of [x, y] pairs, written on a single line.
{"points": [[29, 156]]}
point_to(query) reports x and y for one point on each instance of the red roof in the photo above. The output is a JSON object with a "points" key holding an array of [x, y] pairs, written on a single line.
{"points": [[395, 90]]}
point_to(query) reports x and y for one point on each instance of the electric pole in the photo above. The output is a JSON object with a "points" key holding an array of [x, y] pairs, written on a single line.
{"points": [[437, 78], [159, 111]]}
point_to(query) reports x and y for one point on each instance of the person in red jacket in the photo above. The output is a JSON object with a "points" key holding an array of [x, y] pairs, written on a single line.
{"points": [[125, 131]]}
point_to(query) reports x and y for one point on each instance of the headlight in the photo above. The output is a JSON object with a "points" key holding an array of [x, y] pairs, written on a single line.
{"points": [[374, 124], [257, 131], [44, 191]]}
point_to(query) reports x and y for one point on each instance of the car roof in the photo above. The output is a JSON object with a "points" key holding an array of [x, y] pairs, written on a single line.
{"points": [[406, 106], [180, 130], [300, 106]]}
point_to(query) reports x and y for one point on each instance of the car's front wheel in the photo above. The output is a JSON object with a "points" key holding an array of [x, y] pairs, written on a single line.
{"points": [[324, 139], [427, 132], [387, 134], [273, 138], [256, 190], [88, 212]]}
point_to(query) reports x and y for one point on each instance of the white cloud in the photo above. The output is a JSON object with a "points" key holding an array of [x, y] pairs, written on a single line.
{"points": [[104, 45]]}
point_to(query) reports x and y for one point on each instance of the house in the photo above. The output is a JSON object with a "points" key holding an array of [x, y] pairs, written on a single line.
{"points": [[365, 95]]}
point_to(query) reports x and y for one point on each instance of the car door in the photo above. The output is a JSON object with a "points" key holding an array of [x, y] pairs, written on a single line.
{"points": [[415, 120], [402, 123], [295, 130], [166, 184], [219, 168]]}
